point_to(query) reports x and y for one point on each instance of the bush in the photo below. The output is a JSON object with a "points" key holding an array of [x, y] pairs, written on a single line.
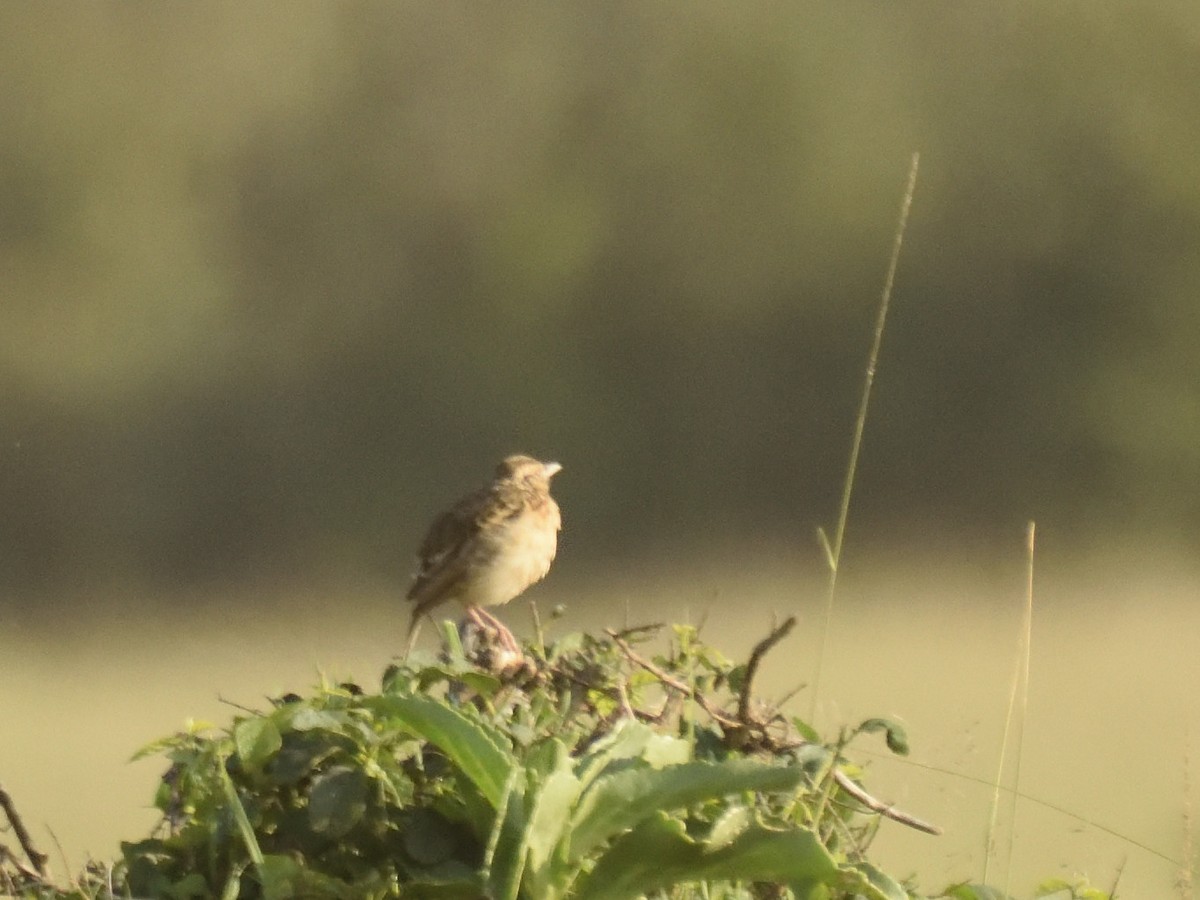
{"points": [[596, 768]]}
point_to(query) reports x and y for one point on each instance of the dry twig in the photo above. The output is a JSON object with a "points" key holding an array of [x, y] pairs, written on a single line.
{"points": [[671, 681], [756, 656], [36, 858]]}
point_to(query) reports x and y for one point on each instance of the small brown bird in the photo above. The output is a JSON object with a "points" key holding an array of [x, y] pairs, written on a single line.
{"points": [[489, 547]]}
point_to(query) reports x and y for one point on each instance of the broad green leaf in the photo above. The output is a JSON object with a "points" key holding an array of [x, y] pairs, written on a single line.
{"points": [[618, 802], [666, 750], [627, 740], [277, 874], [658, 854], [337, 801], [478, 752], [192, 885], [504, 864], [306, 719], [547, 832], [428, 838], [256, 740], [284, 877], [632, 740], [300, 754]]}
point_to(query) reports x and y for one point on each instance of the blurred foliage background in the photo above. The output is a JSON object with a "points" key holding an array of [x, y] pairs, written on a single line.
{"points": [[279, 281]]}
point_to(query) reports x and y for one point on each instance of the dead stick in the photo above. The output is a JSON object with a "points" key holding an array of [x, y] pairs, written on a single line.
{"points": [[36, 857], [847, 784], [670, 680], [8, 856], [756, 656]]}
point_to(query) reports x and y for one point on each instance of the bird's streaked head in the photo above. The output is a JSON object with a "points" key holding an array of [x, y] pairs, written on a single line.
{"points": [[520, 466]]}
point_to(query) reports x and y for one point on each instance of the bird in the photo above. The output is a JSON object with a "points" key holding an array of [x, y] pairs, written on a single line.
{"points": [[489, 547]]}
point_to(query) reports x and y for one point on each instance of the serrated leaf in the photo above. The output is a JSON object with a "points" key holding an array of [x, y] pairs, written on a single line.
{"points": [[658, 854], [478, 752], [546, 836], [504, 863], [627, 740], [728, 827], [337, 801], [256, 741], [620, 801]]}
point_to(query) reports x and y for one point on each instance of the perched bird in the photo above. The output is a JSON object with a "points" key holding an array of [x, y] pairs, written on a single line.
{"points": [[489, 547]]}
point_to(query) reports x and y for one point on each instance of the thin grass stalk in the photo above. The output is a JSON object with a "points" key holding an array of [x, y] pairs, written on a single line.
{"points": [[833, 552], [1186, 881], [1018, 694]]}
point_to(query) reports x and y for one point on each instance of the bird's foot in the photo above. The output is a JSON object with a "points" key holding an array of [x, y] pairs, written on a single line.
{"points": [[503, 654]]}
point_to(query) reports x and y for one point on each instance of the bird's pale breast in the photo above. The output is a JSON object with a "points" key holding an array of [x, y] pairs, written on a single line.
{"points": [[509, 557]]}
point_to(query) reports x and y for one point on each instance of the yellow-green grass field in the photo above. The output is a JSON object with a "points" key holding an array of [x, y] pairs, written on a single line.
{"points": [[1114, 691]]}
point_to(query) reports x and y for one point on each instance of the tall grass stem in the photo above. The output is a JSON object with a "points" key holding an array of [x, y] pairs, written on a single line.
{"points": [[1018, 707], [833, 551]]}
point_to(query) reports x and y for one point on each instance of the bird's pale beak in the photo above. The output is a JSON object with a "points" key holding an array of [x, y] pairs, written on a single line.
{"points": [[551, 469]]}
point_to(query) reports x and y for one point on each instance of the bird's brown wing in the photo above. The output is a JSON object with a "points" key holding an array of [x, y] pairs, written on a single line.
{"points": [[442, 552]]}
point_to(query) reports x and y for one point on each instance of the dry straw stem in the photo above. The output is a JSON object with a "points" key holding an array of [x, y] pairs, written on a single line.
{"points": [[833, 552], [1186, 882], [1019, 692]]}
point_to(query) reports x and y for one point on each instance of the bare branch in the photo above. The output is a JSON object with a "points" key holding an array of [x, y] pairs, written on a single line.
{"points": [[36, 857], [847, 784], [756, 656]]}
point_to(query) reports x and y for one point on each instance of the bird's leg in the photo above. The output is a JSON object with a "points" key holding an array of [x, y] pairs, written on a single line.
{"points": [[489, 623]]}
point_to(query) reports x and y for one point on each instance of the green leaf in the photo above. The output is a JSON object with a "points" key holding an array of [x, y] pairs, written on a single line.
{"points": [[728, 826], [658, 854], [504, 863], [631, 740], [240, 818], [337, 801], [547, 833], [666, 750], [897, 739], [478, 752], [192, 885], [879, 884], [306, 719], [618, 802], [256, 741], [805, 730], [277, 875], [428, 838], [737, 678]]}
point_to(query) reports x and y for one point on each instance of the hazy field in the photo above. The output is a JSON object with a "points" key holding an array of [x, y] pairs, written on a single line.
{"points": [[932, 642]]}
